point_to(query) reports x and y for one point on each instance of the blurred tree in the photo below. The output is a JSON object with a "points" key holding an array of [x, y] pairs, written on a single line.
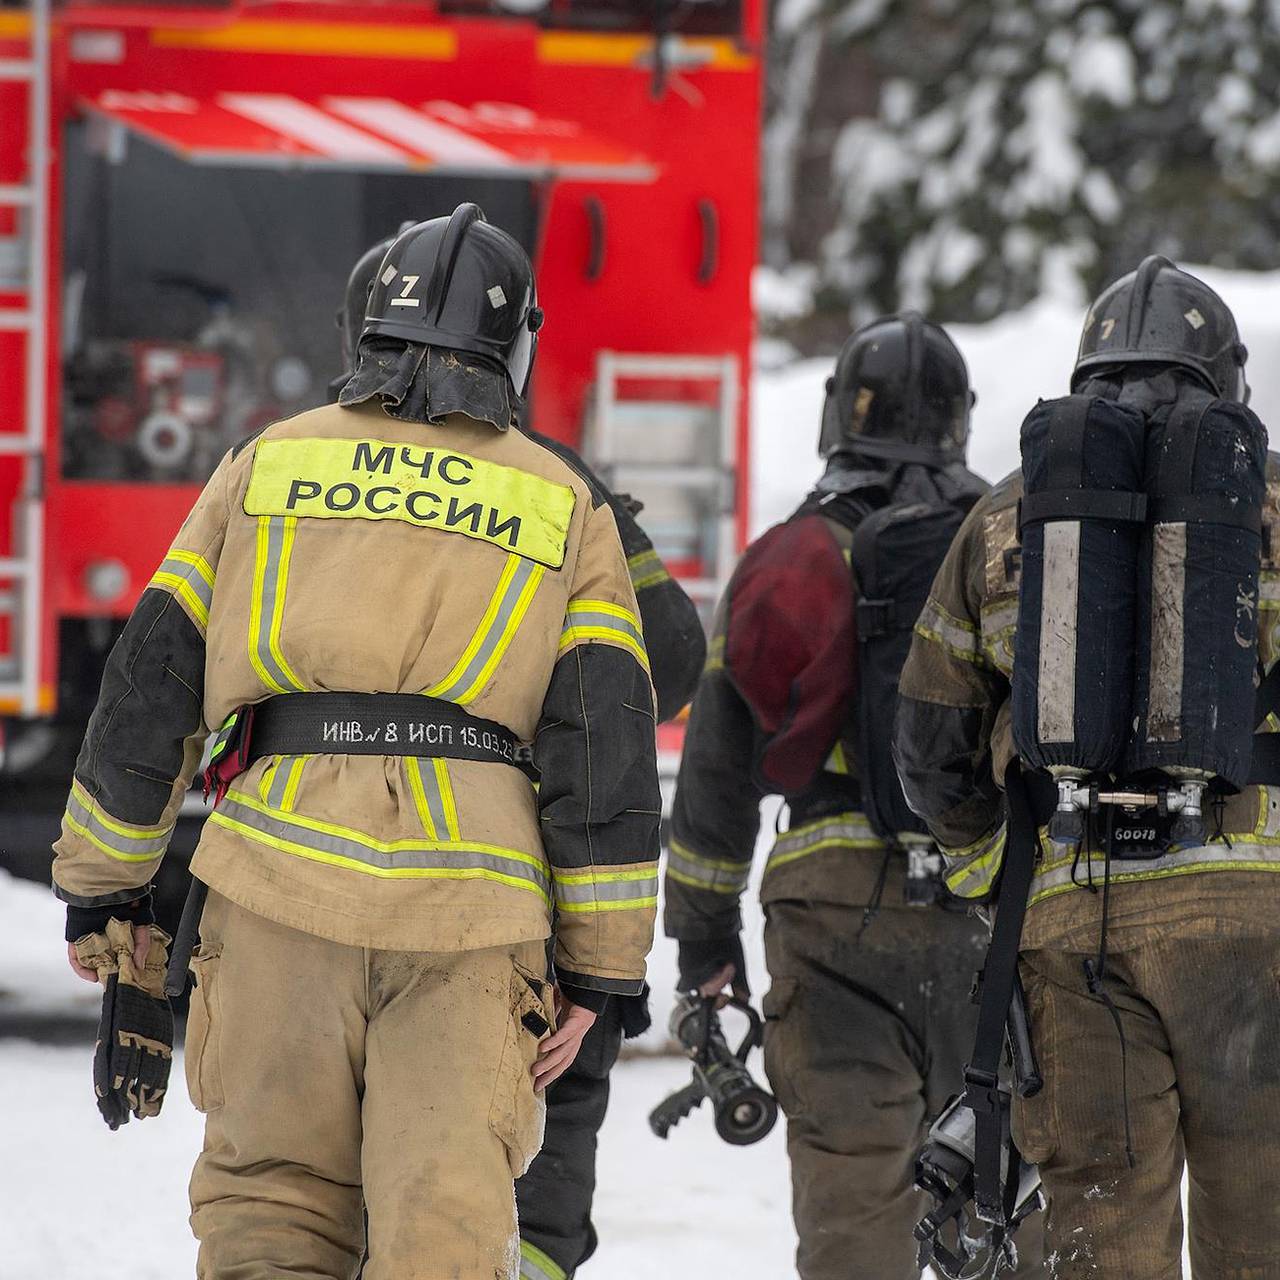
{"points": [[1013, 146]]}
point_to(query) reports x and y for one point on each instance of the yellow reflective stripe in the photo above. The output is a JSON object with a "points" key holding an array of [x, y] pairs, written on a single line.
{"points": [[971, 870], [125, 829], [296, 767], [830, 842], [647, 570], [517, 585], [595, 875], [618, 904], [958, 637], [277, 614], [414, 773], [604, 606], [573, 635], [255, 608], [503, 643], [198, 563], [535, 1265], [717, 875], [98, 843], [264, 782], [184, 591], [481, 631], [446, 798], [337, 845], [715, 655], [218, 818], [836, 762]]}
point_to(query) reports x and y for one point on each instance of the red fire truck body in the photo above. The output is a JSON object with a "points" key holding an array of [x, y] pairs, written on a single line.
{"points": [[184, 187]]}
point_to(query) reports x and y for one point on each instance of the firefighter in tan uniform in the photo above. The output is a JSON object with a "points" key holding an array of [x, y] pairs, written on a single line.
{"points": [[1176, 1052], [374, 604]]}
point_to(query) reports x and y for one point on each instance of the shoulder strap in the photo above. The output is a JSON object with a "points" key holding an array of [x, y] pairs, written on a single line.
{"points": [[983, 1095]]}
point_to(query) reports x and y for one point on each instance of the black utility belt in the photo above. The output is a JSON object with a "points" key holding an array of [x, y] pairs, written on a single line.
{"points": [[374, 724]]}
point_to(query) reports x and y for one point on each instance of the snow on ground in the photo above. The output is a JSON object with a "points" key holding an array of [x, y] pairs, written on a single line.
{"points": [[689, 1206]]}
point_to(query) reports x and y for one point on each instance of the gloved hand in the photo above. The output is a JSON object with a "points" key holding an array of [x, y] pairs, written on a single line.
{"points": [[703, 960], [135, 1034]]}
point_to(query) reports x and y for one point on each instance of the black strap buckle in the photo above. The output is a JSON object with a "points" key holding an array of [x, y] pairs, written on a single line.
{"points": [[875, 618]]}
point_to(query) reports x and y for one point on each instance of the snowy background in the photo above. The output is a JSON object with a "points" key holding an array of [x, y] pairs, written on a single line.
{"points": [[714, 1208]]}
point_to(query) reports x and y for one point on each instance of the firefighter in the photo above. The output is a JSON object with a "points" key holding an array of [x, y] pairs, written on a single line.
{"points": [[376, 603], [1151, 982], [554, 1197], [868, 1023]]}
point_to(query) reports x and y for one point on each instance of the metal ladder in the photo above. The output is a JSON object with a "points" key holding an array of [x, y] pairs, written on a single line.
{"points": [[22, 571], [678, 457]]}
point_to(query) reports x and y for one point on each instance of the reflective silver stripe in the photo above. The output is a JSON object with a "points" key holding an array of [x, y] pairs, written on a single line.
{"points": [[720, 876], [431, 791], [844, 830], [362, 851], [589, 891], [971, 869], [535, 1265], [1168, 594], [270, 603], [118, 837], [189, 571], [279, 782], [1241, 855], [495, 634], [958, 638], [1059, 604], [588, 618]]}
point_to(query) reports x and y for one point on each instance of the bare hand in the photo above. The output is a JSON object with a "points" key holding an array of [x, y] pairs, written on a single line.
{"points": [[141, 945], [719, 983], [557, 1052]]}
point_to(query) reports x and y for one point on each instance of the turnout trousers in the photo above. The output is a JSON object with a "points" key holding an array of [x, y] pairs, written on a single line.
{"points": [[554, 1197], [1201, 1022], [866, 1037], [339, 1081]]}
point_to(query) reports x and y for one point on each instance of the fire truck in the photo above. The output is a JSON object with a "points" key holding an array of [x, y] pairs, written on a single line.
{"points": [[184, 186]]}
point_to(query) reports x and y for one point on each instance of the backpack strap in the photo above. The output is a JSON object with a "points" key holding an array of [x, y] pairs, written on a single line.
{"points": [[995, 1197]]}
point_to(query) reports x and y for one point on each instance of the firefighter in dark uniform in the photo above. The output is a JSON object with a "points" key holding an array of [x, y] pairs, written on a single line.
{"points": [[554, 1197], [1176, 1054], [868, 1021]]}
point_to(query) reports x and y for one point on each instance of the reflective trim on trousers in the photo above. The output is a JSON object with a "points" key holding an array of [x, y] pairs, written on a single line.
{"points": [[124, 841], [507, 607], [266, 612], [337, 846], [698, 872]]}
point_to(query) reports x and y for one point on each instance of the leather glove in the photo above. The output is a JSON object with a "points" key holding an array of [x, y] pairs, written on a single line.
{"points": [[134, 1051], [702, 959]]}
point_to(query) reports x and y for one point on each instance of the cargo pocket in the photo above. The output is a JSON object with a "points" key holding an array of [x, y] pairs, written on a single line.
{"points": [[517, 1114], [201, 1060], [1035, 1120], [782, 1059]]}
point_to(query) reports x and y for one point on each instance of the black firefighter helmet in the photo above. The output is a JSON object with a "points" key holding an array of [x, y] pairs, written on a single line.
{"points": [[462, 284], [900, 391], [1160, 314], [356, 300]]}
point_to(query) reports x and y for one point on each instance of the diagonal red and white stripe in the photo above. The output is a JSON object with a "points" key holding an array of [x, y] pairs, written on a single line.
{"points": [[281, 130]]}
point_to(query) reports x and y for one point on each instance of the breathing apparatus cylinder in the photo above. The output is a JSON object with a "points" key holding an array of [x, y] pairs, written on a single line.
{"points": [[1197, 623], [1081, 524]]}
